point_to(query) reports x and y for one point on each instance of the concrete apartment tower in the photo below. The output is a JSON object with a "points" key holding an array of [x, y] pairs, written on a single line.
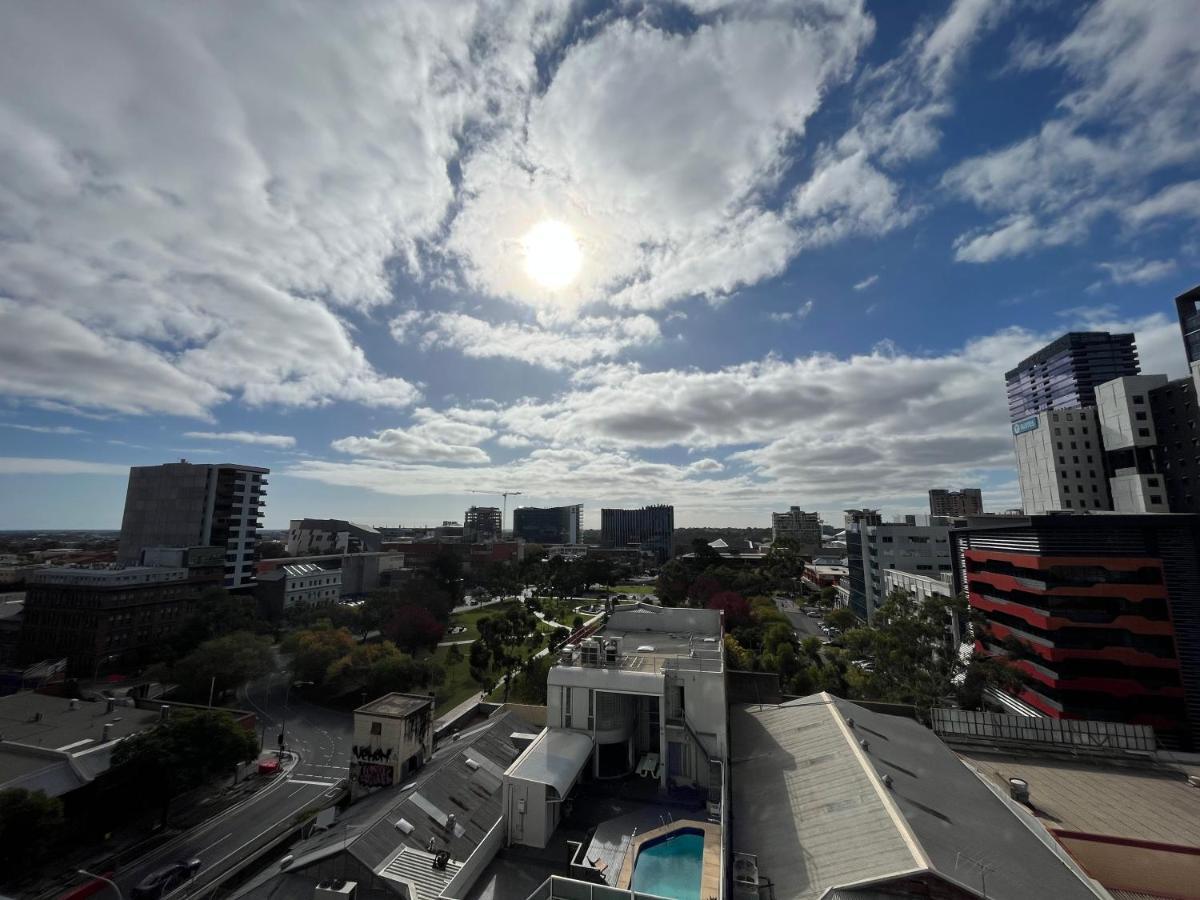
{"points": [[186, 505], [967, 502]]}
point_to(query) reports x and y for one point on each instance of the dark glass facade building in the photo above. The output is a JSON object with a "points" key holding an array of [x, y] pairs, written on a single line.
{"points": [[1177, 456], [1099, 613], [651, 527], [1189, 322], [554, 525], [1065, 373]]}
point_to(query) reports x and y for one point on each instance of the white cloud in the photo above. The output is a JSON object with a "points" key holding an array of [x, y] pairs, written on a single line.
{"points": [[195, 197], [18, 465], [44, 429], [658, 150], [1181, 199], [1130, 119], [435, 438], [875, 428], [573, 343], [791, 315], [1138, 271], [245, 437], [866, 282]]}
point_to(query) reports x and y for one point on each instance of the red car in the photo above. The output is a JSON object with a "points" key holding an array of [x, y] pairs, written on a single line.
{"points": [[268, 767]]}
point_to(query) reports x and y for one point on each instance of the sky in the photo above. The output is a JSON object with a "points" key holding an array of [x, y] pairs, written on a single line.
{"points": [[726, 255]]}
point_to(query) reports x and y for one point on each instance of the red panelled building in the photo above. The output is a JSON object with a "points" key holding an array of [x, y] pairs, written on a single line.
{"points": [[1100, 612]]}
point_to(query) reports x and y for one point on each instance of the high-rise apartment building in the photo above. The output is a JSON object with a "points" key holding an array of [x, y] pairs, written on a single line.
{"points": [[1101, 614], [182, 504], [1060, 462], [967, 502], [1187, 305], [482, 524], [1065, 373], [797, 525], [553, 525], [651, 528]]}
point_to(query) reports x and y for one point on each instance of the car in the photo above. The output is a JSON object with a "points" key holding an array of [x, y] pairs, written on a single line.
{"points": [[162, 882]]}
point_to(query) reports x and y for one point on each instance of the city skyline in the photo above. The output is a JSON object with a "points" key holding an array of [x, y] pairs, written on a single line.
{"points": [[802, 287]]}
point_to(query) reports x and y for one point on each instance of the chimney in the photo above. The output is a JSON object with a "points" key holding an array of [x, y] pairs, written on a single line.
{"points": [[108, 707], [1018, 789], [104, 735], [164, 712]]}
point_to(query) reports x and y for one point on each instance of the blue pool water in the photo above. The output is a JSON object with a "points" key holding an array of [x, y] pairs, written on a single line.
{"points": [[671, 866]]}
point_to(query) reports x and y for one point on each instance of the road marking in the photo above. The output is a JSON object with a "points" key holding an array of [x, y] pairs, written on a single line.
{"points": [[214, 843], [297, 790], [317, 783]]}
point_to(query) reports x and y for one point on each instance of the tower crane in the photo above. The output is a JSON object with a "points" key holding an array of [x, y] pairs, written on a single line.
{"points": [[504, 512]]}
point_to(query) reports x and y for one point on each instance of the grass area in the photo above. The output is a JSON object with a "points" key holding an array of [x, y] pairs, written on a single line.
{"points": [[458, 685], [634, 589], [471, 617]]}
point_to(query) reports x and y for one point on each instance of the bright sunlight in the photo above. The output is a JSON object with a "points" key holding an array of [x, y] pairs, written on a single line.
{"points": [[552, 254]]}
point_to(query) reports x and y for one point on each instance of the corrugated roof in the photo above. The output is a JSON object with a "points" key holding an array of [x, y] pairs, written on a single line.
{"points": [[812, 803]]}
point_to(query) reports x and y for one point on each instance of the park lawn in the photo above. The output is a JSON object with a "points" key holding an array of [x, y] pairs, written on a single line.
{"points": [[634, 589], [471, 617], [459, 685]]}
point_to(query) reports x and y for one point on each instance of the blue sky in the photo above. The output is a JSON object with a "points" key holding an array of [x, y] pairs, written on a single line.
{"points": [[792, 247]]}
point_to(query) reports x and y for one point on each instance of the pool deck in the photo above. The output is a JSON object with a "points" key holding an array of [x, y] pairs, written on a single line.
{"points": [[710, 875]]}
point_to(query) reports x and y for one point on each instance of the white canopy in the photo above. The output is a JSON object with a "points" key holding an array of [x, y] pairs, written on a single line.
{"points": [[556, 758]]}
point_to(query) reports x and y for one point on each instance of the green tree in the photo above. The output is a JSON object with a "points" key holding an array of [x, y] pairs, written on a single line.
{"points": [[29, 826], [232, 660], [841, 618], [272, 550], [315, 649], [529, 685], [185, 751], [215, 613]]}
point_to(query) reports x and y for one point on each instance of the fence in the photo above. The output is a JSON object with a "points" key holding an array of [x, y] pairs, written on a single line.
{"points": [[961, 724]]}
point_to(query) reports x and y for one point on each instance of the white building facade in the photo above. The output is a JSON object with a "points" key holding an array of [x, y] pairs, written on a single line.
{"points": [[1060, 462]]}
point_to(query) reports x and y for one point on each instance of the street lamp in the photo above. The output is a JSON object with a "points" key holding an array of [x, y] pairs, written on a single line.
{"points": [[112, 884], [286, 694]]}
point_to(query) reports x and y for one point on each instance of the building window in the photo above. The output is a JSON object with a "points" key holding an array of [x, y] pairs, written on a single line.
{"points": [[1062, 460], [1095, 489], [1138, 398], [1156, 498], [1066, 489], [376, 728], [1143, 432], [1140, 416], [1153, 482], [1057, 431], [1075, 459], [1067, 503], [1091, 473], [1060, 445], [1071, 431]]}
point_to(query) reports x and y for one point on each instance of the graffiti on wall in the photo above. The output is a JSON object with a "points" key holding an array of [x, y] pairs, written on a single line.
{"points": [[373, 775], [364, 752]]}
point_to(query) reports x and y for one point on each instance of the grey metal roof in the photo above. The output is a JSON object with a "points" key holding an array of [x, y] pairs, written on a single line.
{"points": [[812, 802], [368, 832]]}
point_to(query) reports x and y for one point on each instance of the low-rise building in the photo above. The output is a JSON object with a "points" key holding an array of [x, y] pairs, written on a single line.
{"points": [[835, 800], [873, 549], [393, 738], [317, 537], [297, 584], [108, 619]]}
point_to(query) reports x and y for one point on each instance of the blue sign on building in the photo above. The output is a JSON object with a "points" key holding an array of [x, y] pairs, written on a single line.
{"points": [[1025, 425]]}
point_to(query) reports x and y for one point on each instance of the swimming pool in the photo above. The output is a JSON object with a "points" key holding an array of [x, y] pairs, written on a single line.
{"points": [[670, 866]]}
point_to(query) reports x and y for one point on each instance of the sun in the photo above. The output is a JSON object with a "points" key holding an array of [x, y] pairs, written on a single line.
{"points": [[552, 254]]}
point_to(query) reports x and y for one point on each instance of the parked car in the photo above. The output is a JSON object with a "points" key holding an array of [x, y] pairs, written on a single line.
{"points": [[163, 881]]}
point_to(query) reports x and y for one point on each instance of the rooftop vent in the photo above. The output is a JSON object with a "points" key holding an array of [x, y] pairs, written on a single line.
{"points": [[865, 744], [404, 826], [887, 781], [73, 704], [849, 723], [1018, 789]]}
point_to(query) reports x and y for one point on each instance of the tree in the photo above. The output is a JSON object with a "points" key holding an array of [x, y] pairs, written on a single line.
{"points": [[184, 751], [414, 627], [446, 570], [735, 607], [30, 822], [232, 660], [841, 618], [215, 613], [673, 583], [529, 686], [314, 649]]}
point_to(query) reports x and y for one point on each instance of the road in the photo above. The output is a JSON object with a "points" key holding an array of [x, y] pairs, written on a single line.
{"points": [[320, 737], [805, 625]]}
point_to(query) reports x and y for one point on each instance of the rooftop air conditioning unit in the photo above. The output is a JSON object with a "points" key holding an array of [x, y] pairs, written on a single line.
{"points": [[336, 889]]}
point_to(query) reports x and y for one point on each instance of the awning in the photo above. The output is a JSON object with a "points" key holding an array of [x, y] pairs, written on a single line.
{"points": [[556, 758]]}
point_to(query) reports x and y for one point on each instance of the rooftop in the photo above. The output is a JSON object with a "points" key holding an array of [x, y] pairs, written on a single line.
{"points": [[829, 795], [396, 705], [1099, 796], [107, 577], [43, 721], [651, 637]]}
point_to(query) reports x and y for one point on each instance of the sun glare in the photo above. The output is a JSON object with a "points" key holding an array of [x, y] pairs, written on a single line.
{"points": [[552, 254]]}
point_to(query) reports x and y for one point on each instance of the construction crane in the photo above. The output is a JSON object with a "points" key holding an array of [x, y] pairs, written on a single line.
{"points": [[504, 512]]}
